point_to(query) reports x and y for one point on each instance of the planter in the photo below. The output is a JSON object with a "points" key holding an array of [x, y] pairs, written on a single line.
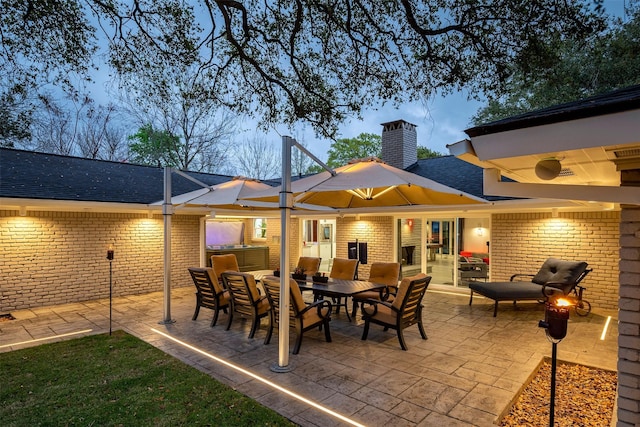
{"points": [[320, 279], [276, 273], [301, 277]]}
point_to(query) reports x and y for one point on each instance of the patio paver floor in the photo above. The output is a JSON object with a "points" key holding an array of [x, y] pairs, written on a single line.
{"points": [[465, 374]]}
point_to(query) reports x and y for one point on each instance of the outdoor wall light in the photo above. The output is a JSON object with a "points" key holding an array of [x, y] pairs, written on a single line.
{"points": [[150, 214], [22, 211], [548, 169]]}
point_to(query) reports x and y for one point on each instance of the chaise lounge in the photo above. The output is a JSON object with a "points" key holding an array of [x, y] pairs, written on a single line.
{"points": [[558, 275]]}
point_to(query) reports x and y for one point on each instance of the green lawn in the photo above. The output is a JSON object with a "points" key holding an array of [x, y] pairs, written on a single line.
{"points": [[117, 380]]}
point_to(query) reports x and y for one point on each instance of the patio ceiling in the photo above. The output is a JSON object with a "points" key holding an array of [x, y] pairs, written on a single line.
{"points": [[593, 140]]}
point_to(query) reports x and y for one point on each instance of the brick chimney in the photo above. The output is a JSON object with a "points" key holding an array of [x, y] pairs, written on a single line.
{"points": [[399, 144]]}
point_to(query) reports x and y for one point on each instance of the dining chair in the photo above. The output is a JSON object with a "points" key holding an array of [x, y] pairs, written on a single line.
{"points": [[245, 298], [302, 316], [343, 269], [384, 273], [225, 262], [310, 265], [404, 311], [209, 293]]}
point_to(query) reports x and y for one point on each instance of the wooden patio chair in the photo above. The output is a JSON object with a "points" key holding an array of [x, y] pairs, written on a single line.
{"points": [[385, 273], [301, 316], [406, 309], [209, 293], [245, 299], [343, 269]]}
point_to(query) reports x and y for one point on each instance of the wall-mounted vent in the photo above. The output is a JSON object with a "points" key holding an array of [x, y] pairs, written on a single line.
{"points": [[626, 153], [566, 172], [625, 158]]}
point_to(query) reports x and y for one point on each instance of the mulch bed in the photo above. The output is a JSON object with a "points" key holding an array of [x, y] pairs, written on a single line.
{"points": [[584, 397]]}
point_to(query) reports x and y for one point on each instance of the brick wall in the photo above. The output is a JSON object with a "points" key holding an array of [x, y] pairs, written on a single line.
{"points": [[399, 144], [629, 319], [49, 258], [521, 242], [377, 231], [273, 229]]}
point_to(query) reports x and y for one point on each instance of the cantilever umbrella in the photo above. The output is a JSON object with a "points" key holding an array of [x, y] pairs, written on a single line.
{"points": [[234, 195], [225, 195], [369, 183]]}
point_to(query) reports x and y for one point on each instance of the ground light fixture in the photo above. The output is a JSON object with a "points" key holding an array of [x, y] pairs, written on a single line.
{"points": [[556, 317]]}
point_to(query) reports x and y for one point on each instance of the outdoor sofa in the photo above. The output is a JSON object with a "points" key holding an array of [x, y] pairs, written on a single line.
{"points": [[554, 275]]}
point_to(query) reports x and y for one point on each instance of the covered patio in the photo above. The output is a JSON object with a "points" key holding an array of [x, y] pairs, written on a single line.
{"points": [[465, 374]]}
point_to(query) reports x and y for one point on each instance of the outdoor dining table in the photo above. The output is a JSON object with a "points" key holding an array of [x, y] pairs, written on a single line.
{"points": [[334, 288]]}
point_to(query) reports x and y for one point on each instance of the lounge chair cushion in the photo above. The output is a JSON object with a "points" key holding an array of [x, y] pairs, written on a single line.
{"points": [[555, 270], [504, 291]]}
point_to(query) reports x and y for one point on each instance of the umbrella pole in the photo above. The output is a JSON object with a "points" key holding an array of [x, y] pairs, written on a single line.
{"points": [[167, 211], [286, 202]]}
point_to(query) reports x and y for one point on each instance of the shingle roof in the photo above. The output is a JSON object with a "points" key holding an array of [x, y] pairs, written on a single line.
{"points": [[454, 173], [31, 175], [607, 103], [26, 174]]}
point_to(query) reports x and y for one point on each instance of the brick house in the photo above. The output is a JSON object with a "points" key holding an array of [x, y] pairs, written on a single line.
{"points": [[59, 214]]}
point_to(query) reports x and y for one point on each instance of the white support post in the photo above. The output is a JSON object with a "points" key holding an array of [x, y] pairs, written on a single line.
{"points": [[286, 204], [167, 211]]}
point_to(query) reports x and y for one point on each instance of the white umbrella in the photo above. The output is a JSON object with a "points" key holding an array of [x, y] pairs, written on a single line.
{"points": [[226, 195], [369, 183]]}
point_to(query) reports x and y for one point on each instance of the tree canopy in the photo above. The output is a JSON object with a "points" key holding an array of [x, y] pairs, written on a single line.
{"points": [[345, 149], [285, 61], [572, 68]]}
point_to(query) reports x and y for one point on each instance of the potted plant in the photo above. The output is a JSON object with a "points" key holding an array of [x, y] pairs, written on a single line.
{"points": [[320, 277], [276, 272], [298, 274]]}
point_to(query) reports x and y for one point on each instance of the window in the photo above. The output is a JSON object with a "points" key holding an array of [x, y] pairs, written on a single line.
{"points": [[310, 231], [260, 228]]}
